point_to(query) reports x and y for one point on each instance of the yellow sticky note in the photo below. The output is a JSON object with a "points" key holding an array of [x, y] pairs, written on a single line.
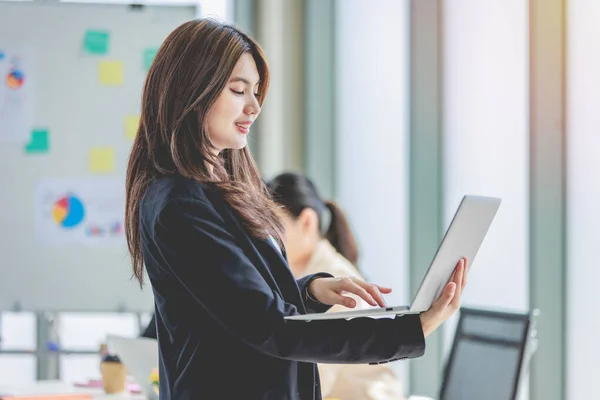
{"points": [[111, 73], [131, 126], [102, 159]]}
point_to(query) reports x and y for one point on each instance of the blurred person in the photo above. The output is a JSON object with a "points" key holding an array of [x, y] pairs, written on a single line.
{"points": [[318, 238], [201, 224]]}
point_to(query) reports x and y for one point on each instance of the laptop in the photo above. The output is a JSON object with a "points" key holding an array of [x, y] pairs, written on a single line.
{"points": [[463, 238], [140, 357]]}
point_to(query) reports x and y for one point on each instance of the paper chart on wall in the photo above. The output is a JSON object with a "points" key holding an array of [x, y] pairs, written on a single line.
{"points": [[16, 95], [85, 211]]}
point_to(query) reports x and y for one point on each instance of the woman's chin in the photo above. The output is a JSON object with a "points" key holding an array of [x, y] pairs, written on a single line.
{"points": [[236, 146], [240, 144]]}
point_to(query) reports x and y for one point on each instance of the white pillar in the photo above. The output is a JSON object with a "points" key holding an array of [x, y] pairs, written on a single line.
{"points": [[280, 33], [372, 97], [486, 140], [583, 198]]}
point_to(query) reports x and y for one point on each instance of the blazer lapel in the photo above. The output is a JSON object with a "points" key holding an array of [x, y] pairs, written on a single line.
{"points": [[277, 264], [280, 251], [273, 265]]}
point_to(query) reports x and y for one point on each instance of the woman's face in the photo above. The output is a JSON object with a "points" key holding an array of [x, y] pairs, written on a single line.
{"points": [[229, 119], [301, 238]]}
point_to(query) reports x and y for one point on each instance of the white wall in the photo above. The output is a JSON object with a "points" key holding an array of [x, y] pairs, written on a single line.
{"points": [[280, 33], [221, 9], [486, 139], [371, 135], [78, 331], [17, 332], [583, 212]]}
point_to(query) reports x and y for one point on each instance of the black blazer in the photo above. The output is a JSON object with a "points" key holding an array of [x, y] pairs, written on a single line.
{"points": [[220, 300], [150, 330]]}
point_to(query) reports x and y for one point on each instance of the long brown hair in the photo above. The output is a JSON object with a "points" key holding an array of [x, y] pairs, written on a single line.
{"points": [[295, 192], [189, 72]]}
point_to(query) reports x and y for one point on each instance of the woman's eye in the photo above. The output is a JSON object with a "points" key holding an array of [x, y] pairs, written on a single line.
{"points": [[236, 92]]}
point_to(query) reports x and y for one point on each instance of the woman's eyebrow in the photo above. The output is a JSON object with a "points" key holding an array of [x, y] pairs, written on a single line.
{"points": [[240, 79]]}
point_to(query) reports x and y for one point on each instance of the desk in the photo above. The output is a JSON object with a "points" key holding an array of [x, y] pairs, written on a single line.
{"points": [[57, 387]]}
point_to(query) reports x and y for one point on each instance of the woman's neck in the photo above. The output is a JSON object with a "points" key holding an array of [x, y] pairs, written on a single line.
{"points": [[301, 263]]}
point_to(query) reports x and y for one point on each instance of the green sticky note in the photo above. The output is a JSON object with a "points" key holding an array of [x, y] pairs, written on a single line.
{"points": [[148, 57], [96, 42], [39, 142]]}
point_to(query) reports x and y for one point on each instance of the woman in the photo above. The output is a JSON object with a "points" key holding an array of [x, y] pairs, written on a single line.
{"points": [[200, 220], [318, 238]]}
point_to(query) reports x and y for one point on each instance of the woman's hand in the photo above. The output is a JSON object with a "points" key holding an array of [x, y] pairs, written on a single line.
{"points": [[449, 301], [331, 291]]}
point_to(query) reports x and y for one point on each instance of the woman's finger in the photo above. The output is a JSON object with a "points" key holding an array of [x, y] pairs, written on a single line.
{"points": [[383, 289], [446, 298], [453, 276], [344, 301], [354, 288], [373, 290], [460, 272], [464, 282]]}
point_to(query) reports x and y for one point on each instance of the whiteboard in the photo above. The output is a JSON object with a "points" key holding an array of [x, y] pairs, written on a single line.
{"points": [[44, 272]]}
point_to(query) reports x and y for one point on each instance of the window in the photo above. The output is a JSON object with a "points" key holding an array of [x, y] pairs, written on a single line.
{"points": [[372, 137], [17, 331], [83, 331], [486, 140], [583, 196], [16, 369]]}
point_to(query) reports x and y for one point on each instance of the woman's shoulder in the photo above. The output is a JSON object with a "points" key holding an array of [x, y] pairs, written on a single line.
{"points": [[174, 189], [327, 259]]}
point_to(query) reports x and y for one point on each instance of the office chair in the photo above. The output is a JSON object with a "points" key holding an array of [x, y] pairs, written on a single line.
{"points": [[490, 355]]}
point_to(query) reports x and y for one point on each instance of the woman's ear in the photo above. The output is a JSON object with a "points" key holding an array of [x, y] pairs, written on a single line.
{"points": [[309, 221]]}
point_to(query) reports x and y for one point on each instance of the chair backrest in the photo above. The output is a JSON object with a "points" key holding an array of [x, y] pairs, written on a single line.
{"points": [[489, 356]]}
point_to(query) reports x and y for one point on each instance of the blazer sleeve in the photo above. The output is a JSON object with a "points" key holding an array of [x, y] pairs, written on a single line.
{"points": [[312, 306], [203, 256], [150, 331]]}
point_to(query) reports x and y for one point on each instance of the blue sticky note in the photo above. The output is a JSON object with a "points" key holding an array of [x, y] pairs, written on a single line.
{"points": [[96, 42], [1, 55]]}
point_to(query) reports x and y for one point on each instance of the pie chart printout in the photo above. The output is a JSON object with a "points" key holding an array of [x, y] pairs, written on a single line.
{"points": [[68, 211]]}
